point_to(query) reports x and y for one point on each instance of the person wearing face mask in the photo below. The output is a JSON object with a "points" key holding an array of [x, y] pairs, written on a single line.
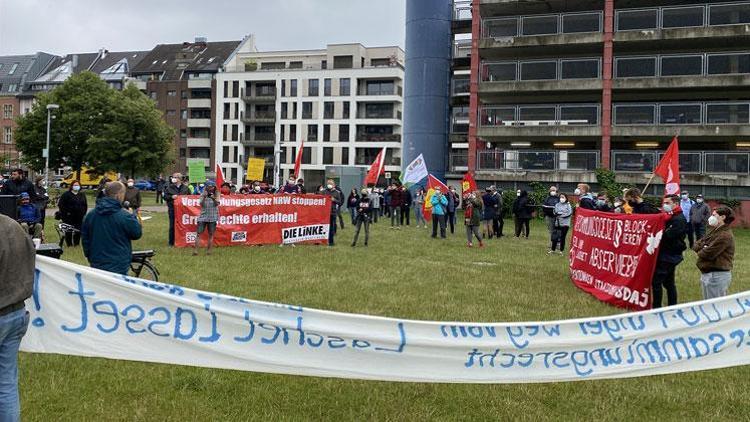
{"points": [[489, 202], [602, 204], [419, 207], [362, 215], [439, 208], [473, 212], [108, 230], [256, 189], [336, 201], [175, 188], [209, 203], [133, 197], [351, 204], [716, 254], [290, 188], [453, 203], [522, 207], [562, 212], [375, 203], [497, 222], [548, 208], [637, 204], [226, 188], [72, 207], [585, 198], [618, 206], [340, 207], [687, 204], [670, 252], [699, 214]]}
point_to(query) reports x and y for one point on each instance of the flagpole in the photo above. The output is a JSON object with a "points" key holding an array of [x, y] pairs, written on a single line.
{"points": [[648, 183]]}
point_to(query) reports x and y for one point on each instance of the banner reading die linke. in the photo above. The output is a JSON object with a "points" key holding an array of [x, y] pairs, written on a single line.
{"points": [[80, 311], [613, 256], [257, 220]]}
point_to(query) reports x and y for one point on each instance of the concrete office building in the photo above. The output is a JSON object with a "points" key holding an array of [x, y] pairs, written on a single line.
{"points": [[344, 101], [558, 88]]}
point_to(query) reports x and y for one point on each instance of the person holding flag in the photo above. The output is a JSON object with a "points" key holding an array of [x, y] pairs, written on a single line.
{"points": [[436, 205], [415, 172]]}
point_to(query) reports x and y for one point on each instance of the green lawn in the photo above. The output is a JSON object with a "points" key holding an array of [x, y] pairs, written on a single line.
{"points": [[401, 274]]}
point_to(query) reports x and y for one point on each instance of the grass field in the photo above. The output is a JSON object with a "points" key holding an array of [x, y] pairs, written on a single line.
{"points": [[401, 274]]}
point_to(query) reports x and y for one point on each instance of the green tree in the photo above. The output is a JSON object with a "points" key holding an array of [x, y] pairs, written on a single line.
{"points": [[137, 141], [86, 104]]}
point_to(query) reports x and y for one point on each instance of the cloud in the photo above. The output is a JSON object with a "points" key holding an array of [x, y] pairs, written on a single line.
{"points": [[71, 26]]}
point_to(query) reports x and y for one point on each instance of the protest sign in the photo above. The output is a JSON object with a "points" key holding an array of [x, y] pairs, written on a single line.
{"points": [[612, 256], [257, 219], [80, 311], [196, 171], [255, 167]]}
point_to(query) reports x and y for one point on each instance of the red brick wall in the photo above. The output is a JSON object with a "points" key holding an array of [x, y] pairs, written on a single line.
{"points": [[9, 149]]}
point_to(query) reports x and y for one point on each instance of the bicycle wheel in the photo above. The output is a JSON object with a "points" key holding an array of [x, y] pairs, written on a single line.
{"points": [[144, 270]]}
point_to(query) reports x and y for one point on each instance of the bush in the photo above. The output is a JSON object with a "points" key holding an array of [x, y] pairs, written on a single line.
{"points": [[608, 185]]}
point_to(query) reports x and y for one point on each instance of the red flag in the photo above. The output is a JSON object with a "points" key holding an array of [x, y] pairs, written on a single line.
{"points": [[376, 169], [432, 184], [468, 184], [298, 160], [219, 176], [669, 169]]}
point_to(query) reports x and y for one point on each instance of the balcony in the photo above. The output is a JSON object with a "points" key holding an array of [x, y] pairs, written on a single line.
{"points": [[458, 162], [258, 139], [262, 96], [461, 10], [204, 123], [691, 163], [199, 103], [533, 76], [731, 118], [198, 142], [460, 87], [373, 137], [540, 120], [259, 118], [199, 83], [537, 161]]}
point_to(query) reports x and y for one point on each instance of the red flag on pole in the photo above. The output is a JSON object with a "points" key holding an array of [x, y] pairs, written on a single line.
{"points": [[468, 184], [376, 169], [298, 160], [669, 169], [432, 184], [219, 176]]}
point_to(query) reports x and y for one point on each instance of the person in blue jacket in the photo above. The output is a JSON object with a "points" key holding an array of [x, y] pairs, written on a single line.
{"points": [[108, 230], [439, 208]]}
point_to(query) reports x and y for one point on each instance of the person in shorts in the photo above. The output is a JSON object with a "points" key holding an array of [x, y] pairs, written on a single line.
{"points": [[209, 202]]}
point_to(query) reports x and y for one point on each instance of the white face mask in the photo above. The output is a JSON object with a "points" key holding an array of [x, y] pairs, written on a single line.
{"points": [[577, 191], [618, 204], [553, 193], [130, 184], [699, 200], [174, 180], [713, 221], [329, 186], [76, 188], [256, 188], [518, 193], [563, 200]]}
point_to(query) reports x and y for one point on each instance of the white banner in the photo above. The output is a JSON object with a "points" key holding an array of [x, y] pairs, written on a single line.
{"points": [[415, 171], [76, 310]]}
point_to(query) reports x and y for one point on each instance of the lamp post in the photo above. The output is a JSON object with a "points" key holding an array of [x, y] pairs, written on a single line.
{"points": [[50, 107]]}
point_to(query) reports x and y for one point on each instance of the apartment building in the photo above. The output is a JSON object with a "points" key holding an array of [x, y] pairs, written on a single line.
{"points": [[180, 79], [344, 102], [559, 88]]}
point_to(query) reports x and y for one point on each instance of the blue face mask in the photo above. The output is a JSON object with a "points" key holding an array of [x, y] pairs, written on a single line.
{"points": [[666, 208]]}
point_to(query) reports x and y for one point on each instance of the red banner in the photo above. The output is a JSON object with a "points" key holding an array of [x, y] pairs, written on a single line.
{"points": [[257, 220], [613, 256]]}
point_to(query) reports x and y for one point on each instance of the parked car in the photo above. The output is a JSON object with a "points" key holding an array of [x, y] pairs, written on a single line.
{"points": [[145, 185]]}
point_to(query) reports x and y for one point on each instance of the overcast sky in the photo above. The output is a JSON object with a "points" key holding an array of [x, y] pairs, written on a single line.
{"points": [[77, 26]]}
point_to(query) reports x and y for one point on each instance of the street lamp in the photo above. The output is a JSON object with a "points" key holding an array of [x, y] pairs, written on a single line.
{"points": [[50, 107]]}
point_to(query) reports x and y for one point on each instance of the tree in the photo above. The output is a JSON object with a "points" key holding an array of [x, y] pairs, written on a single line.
{"points": [[136, 141], [86, 104]]}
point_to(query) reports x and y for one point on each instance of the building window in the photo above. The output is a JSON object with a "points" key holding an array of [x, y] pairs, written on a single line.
{"points": [[498, 28], [629, 20], [183, 133], [183, 114], [581, 22], [171, 113], [327, 155], [324, 64], [284, 110], [171, 93], [312, 87], [283, 133], [152, 94], [8, 135], [728, 113], [283, 87], [183, 95], [635, 114], [345, 87], [12, 87], [579, 69], [292, 133], [328, 110], [730, 14], [13, 68], [343, 133], [681, 65], [346, 112], [327, 87], [272, 65], [680, 114], [636, 67], [378, 111], [7, 111], [725, 64], [344, 155], [307, 110], [294, 110], [682, 17], [537, 113], [235, 89], [312, 133], [535, 71], [293, 88], [539, 25], [326, 133], [183, 152], [295, 65], [343, 62], [380, 87]]}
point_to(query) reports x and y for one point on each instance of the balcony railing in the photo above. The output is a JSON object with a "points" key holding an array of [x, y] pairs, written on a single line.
{"points": [[462, 49], [518, 160], [373, 137], [461, 10], [700, 64], [709, 113], [532, 25], [458, 162], [692, 162], [541, 115], [542, 70], [692, 16], [460, 87]]}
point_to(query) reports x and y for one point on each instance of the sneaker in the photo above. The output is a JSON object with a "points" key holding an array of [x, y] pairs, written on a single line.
{"points": [[481, 245], [470, 245], [560, 253], [550, 252]]}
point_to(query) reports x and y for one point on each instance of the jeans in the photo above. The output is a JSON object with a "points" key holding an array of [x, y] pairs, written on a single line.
{"points": [[170, 212], [332, 229], [664, 277], [405, 211], [451, 219], [522, 223], [438, 220], [12, 329], [419, 214], [561, 240], [395, 216], [471, 232], [715, 284], [364, 221], [353, 213]]}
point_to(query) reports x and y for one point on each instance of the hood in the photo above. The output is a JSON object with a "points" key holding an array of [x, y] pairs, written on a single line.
{"points": [[107, 206]]}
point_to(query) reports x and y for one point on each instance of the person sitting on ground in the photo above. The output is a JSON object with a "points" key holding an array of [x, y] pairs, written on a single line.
{"points": [[716, 254], [362, 217], [108, 231], [29, 217], [560, 226], [209, 203], [639, 206], [473, 213], [585, 198]]}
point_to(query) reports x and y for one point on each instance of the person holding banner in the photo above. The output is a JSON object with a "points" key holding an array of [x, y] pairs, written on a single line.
{"points": [[472, 217], [670, 252], [209, 203], [716, 254], [638, 206]]}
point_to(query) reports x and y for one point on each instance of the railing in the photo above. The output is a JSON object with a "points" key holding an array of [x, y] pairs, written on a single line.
{"points": [[701, 64], [462, 49], [699, 15], [374, 137], [460, 86], [692, 162], [458, 162], [518, 160], [708, 113], [532, 25], [540, 115], [461, 10], [265, 137], [542, 70]]}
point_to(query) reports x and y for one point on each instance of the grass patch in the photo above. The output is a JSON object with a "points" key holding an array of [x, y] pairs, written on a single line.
{"points": [[402, 274]]}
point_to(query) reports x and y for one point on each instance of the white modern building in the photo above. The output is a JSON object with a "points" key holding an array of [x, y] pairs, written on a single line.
{"points": [[345, 102]]}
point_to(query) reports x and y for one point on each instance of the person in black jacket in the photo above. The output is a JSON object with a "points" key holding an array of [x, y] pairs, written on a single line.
{"points": [[73, 206], [548, 208], [18, 184], [670, 252], [522, 208], [175, 188], [42, 199], [497, 221], [351, 204], [363, 217], [585, 198], [406, 206], [634, 199]]}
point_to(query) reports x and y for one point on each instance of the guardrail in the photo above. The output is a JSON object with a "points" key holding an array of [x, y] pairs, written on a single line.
{"points": [[521, 160], [540, 115], [692, 16], [688, 113], [548, 24], [691, 162], [461, 10], [542, 70]]}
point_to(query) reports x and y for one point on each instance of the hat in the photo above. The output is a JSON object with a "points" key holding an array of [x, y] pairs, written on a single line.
{"points": [[210, 183], [24, 195], [700, 195]]}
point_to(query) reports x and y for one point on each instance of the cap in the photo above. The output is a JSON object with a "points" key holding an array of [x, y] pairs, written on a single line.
{"points": [[24, 195], [700, 195], [210, 183]]}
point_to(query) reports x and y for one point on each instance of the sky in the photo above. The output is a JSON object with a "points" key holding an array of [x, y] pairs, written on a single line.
{"points": [[78, 26]]}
